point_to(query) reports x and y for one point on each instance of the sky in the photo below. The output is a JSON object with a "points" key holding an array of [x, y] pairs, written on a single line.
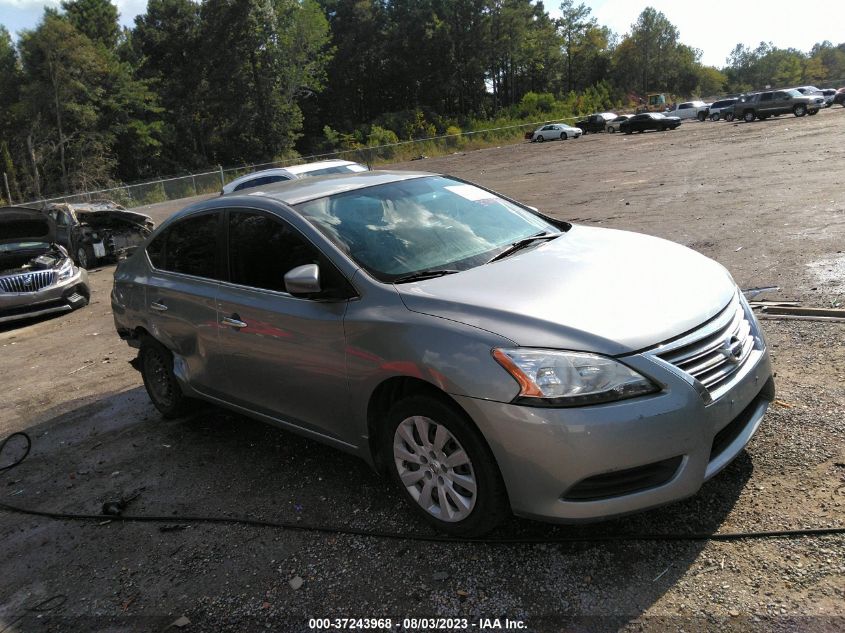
{"points": [[712, 26]]}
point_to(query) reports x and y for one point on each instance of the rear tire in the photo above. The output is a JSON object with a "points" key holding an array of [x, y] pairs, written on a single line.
{"points": [[443, 467], [812, 112], [714, 117], [799, 110], [628, 131], [156, 362], [702, 116]]}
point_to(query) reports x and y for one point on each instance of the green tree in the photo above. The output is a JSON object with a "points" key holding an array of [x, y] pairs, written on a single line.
{"points": [[97, 19], [261, 57], [573, 25], [164, 46]]}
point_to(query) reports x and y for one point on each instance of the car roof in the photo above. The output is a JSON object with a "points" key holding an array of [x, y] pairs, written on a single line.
{"points": [[294, 192], [292, 170]]}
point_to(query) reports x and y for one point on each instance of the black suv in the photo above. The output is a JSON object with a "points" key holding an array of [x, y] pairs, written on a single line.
{"points": [[595, 122]]}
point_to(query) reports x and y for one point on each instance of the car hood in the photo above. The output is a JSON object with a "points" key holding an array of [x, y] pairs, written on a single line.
{"points": [[600, 290], [18, 224], [97, 217]]}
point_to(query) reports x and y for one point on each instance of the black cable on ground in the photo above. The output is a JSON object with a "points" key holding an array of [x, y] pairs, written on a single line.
{"points": [[435, 538]]}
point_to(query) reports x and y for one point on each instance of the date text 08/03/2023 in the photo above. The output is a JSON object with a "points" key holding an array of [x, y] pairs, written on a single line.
{"points": [[416, 624]]}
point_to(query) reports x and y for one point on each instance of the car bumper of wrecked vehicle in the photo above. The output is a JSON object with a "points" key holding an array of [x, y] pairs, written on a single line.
{"points": [[61, 296], [588, 463]]}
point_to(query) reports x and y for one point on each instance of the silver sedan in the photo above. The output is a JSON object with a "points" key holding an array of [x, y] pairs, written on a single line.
{"points": [[486, 357], [555, 131]]}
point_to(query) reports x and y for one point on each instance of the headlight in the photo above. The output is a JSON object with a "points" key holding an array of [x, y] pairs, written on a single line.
{"points": [[66, 271], [569, 379]]}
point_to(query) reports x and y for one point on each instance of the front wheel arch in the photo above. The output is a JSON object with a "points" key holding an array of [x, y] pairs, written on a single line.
{"points": [[388, 393]]}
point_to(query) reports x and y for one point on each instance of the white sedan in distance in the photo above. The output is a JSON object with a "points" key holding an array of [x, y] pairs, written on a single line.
{"points": [[555, 131], [307, 170]]}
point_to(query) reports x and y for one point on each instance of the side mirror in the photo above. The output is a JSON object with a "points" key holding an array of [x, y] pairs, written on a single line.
{"points": [[303, 280]]}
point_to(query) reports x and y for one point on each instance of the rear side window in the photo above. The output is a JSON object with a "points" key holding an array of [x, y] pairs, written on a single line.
{"points": [[188, 247]]}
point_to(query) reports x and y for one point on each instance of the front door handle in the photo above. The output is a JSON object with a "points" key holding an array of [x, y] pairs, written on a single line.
{"points": [[158, 307], [233, 321]]}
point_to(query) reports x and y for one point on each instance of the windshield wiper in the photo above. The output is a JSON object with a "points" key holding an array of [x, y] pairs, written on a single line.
{"points": [[520, 244], [423, 274]]}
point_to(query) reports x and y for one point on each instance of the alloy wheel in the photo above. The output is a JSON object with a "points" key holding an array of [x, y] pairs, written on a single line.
{"points": [[435, 469]]}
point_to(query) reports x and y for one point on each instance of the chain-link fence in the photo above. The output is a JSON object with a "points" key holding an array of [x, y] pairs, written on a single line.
{"points": [[212, 181]]}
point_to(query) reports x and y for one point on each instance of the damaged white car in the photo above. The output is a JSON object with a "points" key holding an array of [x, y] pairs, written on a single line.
{"points": [[37, 276], [98, 230]]}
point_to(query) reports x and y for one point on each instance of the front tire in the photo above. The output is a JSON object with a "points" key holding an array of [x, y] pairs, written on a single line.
{"points": [[799, 110], [812, 112], [85, 257], [729, 117], [749, 116], [540, 138], [563, 136], [159, 380], [714, 117], [702, 116], [443, 466]]}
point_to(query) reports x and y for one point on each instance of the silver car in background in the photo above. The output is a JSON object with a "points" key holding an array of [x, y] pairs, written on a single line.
{"points": [[306, 170], [485, 356], [37, 276]]}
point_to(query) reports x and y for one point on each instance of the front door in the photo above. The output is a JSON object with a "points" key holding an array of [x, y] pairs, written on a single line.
{"points": [[284, 356]]}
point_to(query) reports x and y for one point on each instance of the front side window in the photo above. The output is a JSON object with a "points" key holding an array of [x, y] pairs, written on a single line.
{"points": [[262, 249], [766, 96], [420, 224], [188, 247]]}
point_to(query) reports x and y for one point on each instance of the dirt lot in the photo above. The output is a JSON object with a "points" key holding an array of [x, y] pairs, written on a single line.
{"points": [[766, 199]]}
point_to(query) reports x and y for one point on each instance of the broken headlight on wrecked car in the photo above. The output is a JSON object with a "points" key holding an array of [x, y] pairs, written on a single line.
{"points": [[569, 379], [66, 270]]}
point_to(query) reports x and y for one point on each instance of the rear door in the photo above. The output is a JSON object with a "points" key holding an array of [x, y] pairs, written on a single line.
{"points": [[285, 356], [181, 297]]}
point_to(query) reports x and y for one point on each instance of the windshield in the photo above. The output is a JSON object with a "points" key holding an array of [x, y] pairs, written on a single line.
{"points": [[431, 223], [794, 93]]}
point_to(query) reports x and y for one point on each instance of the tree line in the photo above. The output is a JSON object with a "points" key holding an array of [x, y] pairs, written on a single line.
{"points": [[86, 104]]}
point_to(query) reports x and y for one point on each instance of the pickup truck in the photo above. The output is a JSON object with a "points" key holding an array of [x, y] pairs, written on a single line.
{"points": [[689, 110], [763, 105]]}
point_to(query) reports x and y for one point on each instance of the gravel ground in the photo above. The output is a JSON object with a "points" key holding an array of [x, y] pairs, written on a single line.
{"points": [[66, 382]]}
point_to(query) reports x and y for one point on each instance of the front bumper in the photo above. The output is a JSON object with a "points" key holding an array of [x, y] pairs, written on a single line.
{"points": [[548, 457], [62, 296]]}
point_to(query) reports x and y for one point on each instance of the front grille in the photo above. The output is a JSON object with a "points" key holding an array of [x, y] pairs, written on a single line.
{"points": [[27, 282], [717, 350]]}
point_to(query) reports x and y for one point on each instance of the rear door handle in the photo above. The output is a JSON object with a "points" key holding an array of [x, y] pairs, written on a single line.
{"points": [[158, 307], [233, 321]]}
